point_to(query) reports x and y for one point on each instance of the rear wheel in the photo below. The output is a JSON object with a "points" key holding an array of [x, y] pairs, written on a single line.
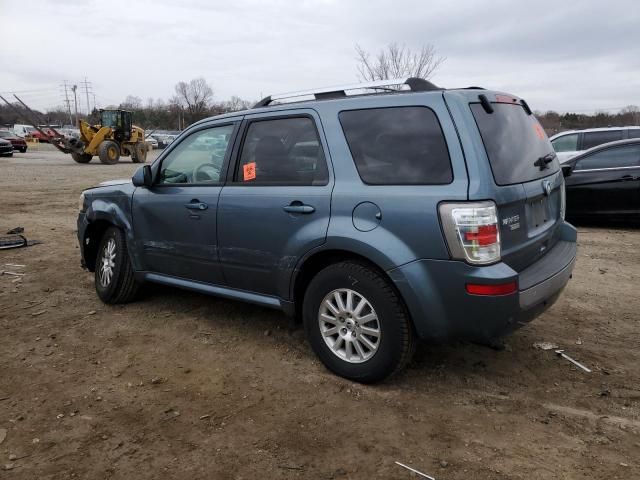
{"points": [[114, 278], [81, 157], [139, 153], [109, 152], [356, 323]]}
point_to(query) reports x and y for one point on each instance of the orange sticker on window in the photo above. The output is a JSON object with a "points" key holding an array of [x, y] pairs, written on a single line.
{"points": [[539, 130], [249, 171]]}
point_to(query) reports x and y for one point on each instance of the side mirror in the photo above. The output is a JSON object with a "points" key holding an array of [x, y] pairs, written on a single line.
{"points": [[143, 177], [566, 170]]}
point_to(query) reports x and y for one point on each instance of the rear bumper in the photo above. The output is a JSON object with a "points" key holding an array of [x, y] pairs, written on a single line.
{"points": [[440, 307]]}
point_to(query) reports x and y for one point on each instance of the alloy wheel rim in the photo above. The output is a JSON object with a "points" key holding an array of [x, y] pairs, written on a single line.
{"points": [[349, 325], [107, 262]]}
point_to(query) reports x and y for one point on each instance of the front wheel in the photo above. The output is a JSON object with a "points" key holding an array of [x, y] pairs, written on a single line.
{"points": [[114, 277], [356, 323], [81, 157], [109, 152]]}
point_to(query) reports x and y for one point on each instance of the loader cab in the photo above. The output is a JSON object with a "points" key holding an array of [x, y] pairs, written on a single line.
{"points": [[119, 121]]}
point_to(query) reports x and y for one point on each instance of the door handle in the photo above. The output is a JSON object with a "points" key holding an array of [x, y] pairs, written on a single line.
{"points": [[196, 205], [629, 177], [298, 207]]}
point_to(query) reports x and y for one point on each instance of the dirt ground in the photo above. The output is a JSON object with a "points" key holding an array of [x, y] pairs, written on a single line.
{"points": [[181, 385]]}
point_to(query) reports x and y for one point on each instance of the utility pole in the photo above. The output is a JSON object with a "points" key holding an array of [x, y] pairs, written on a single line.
{"points": [[87, 85], [66, 101], [75, 101]]}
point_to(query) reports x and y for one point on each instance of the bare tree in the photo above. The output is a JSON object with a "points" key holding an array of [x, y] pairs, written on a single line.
{"points": [[397, 61], [195, 96]]}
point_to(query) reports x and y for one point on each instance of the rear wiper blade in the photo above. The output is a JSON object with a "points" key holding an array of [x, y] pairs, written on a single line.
{"points": [[545, 160]]}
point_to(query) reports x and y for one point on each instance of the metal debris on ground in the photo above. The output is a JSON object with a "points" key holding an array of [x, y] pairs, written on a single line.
{"points": [[545, 345], [12, 241], [424, 475], [576, 363]]}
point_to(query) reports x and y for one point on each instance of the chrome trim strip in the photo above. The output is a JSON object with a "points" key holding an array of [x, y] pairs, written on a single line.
{"points": [[605, 169]]}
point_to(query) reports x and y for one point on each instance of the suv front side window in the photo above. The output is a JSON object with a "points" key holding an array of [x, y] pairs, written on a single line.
{"points": [[566, 143], [283, 151], [198, 158]]}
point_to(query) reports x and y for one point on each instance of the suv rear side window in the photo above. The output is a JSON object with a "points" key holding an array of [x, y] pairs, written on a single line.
{"points": [[634, 133], [283, 151], [514, 141], [397, 146], [593, 139]]}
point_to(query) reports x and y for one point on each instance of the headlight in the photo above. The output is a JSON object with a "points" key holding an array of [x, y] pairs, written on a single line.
{"points": [[81, 202]]}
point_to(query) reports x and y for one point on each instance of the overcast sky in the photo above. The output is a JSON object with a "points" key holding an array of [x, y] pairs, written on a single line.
{"points": [[567, 56]]}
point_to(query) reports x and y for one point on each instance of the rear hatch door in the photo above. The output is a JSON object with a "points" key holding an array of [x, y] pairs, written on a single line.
{"points": [[527, 183]]}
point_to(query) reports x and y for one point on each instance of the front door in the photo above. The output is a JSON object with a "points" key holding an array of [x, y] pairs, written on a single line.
{"points": [[276, 205], [175, 220]]}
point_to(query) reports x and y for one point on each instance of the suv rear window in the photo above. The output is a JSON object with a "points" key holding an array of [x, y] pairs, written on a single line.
{"points": [[397, 146], [593, 139], [514, 141]]}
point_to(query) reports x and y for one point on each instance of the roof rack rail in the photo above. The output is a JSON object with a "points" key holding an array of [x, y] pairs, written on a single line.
{"points": [[414, 84]]}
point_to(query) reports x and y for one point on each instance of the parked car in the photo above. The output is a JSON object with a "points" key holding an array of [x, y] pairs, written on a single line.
{"points": [[151, 142], [23, 131], [6, 149], [571, 143], [605, 181], [17, 142], [374, 219]]}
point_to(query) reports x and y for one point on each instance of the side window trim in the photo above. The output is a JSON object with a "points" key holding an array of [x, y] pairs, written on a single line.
{"points": [[235, 122], [241, 136]]}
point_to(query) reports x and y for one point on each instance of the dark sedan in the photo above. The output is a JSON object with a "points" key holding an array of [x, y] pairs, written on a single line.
{"points": [[605, 181], [6, 149], [17, 142]]}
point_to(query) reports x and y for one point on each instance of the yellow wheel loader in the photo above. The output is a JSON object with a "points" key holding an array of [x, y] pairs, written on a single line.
{"points": [[115, 137]]}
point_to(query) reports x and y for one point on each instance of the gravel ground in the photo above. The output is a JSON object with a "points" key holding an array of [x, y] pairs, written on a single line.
{"points": [[181, 385]]}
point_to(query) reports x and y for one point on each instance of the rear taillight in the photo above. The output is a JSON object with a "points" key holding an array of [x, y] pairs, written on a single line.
{"points": [[471, 230]]}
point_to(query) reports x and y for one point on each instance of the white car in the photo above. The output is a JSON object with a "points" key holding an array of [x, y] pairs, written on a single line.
{"points": [[573, 142]]}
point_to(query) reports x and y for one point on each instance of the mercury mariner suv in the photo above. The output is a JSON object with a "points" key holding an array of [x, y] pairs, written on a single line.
{"points": [[376, 214]]}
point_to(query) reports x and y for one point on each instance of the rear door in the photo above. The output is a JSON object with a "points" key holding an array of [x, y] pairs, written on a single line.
{"points": [[276, 204], [527, 181], [605, 182]]}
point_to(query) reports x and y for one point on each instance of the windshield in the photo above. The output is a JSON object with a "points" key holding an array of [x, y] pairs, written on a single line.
{"points": [[516, 144], [111, 119], [5, 134]]}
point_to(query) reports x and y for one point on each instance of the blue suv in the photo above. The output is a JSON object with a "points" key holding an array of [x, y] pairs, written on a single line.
{"points": [[377, 214]]}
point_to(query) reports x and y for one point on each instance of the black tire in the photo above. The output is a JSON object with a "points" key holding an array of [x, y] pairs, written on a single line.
{"points": [[397, 339], [139, 153], [122, 286], [109, 152], [81, 157], [23, 150]]}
